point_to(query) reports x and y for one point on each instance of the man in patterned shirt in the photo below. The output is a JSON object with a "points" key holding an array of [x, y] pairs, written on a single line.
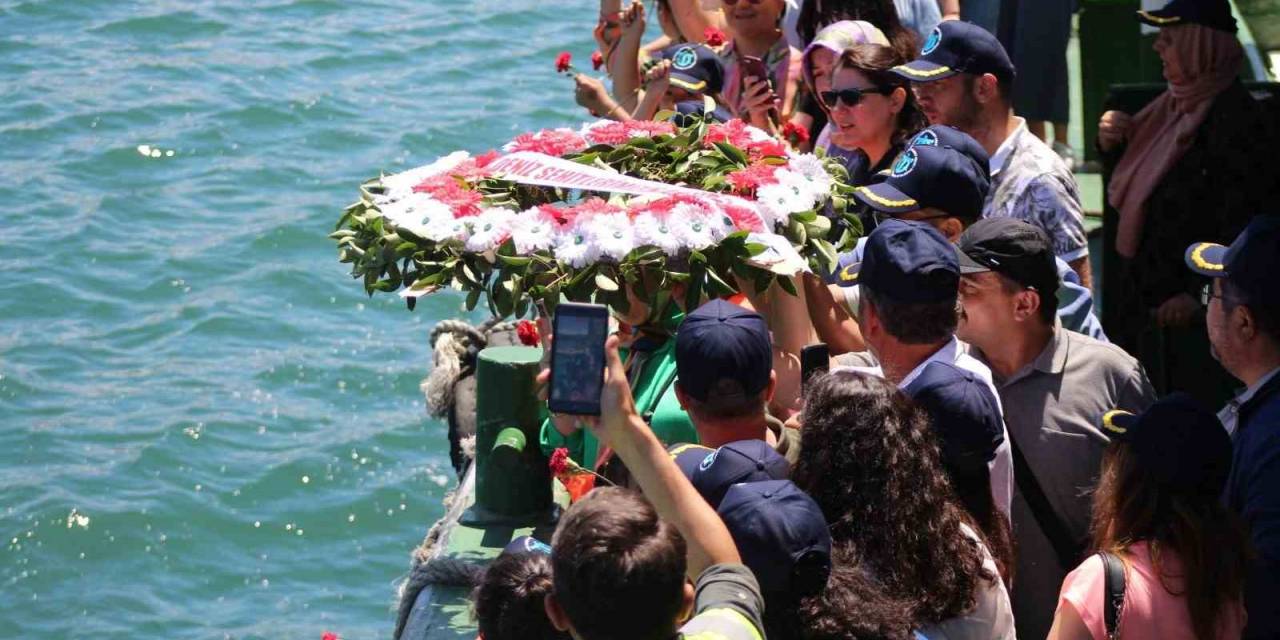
{"points": [[964, 78]]}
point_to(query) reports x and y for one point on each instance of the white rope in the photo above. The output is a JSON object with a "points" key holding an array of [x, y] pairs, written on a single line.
{"points": [[450, 340]]}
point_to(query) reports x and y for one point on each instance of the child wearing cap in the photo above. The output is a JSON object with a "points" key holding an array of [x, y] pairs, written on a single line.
{"points": [[508, 600], [688, 80], [1157, 510]]}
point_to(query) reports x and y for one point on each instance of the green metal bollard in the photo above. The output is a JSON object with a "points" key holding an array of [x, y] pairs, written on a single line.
{"points": [[513, 483]]}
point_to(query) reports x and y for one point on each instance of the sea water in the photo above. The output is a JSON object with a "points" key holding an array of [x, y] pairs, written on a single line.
{"points": [[207, 429]]}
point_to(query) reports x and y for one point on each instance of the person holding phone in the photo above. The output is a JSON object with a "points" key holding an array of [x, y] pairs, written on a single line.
{"points": [[762, 71]]}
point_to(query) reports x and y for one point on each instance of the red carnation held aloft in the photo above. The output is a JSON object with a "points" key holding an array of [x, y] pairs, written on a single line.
{"points": [[564, 62], [713, 37], [597, 60], [528, 333]]}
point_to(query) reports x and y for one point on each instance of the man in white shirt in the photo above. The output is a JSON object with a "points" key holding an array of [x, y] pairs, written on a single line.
{"points": [[910, 277], [964, 78]]}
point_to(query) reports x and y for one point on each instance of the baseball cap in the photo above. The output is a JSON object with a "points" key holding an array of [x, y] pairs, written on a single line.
{"points": [[688, 456], [1215, 14], [941, 135], [958, 47], [1015, 249], [1251, 261], [781, 534], [964, 414], [694, 67], [930, 176], [723, 351], [737, 462], [526, 544], [707, 109], [908, 262], [1182, 443]]}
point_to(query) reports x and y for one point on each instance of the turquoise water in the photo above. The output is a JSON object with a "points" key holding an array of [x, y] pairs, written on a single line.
{"points": [[207, 430]]}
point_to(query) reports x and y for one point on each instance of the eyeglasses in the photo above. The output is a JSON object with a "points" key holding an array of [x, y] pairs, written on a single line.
{"points": [[730, 3], [850, 97]]}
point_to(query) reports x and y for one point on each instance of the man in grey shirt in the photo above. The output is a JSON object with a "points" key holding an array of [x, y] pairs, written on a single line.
{"points": [[1055, 386], [964, 78]]}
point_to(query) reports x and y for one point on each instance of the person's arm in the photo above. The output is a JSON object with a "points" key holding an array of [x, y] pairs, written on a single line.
{"points": [[693, 17], [666, 488], [950, 9], [830, 320], [1067, 624], [624, 65], [656, 82], [590, 93]]}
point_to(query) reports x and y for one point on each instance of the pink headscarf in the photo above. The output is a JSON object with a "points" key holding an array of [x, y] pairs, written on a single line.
{"points": [[1209, 60]]}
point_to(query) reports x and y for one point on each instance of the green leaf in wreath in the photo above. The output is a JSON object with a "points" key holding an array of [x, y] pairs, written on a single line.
{"points": [[787, 285], [734, 154]]}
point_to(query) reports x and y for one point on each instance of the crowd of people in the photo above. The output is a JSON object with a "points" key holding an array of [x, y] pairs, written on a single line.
{"points": [[979, 460]]}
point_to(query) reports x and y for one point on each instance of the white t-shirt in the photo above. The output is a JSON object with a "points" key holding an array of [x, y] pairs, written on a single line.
{"points": [[992, 616]]}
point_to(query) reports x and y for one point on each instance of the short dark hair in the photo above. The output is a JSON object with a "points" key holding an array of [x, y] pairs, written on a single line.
{"points": [[1265, 312], [916, 322], [618, 568], [726, 399], [509, 598], [1048, 304]]}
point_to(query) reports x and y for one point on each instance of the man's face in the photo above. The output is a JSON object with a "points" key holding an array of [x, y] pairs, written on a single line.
{"points": [[1224, 343], [986, 309], [946, 224], [948, 101]]}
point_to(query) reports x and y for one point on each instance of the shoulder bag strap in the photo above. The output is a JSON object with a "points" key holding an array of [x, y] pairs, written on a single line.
{"points": [[1067, 549], [1114, 580]]}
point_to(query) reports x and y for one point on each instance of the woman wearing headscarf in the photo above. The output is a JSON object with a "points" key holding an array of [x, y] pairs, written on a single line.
{"points": [[1190, 164], [818, 62]]}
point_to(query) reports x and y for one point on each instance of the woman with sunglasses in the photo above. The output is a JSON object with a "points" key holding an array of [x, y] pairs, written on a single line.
{"points": [[817, 63], [872, 112]]}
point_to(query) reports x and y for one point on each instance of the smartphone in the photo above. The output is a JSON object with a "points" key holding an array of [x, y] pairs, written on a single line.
{"points": [[814, 358], [753, 67], [577, 358]]}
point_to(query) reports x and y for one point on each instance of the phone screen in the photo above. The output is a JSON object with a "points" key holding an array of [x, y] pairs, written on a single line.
{"points": [[814, 358], [577, 359]]}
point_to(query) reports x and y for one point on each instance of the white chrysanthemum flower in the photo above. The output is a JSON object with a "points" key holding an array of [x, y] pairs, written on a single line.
{"points": [[532, 231], [811, 168], [575, 248], [721, 224], [612, 234], [654, 230], [490, 229], [425, 217], [779, 201], [757, 134], [692, 225]]}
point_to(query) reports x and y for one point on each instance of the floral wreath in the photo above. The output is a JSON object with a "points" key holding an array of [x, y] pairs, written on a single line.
{"points": [[740, 208]]}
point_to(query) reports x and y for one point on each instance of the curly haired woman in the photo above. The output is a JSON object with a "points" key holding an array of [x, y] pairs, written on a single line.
{"points": [[871, 461]]}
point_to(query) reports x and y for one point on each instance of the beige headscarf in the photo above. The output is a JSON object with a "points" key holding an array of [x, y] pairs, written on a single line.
{"points": [[1161, 134]]}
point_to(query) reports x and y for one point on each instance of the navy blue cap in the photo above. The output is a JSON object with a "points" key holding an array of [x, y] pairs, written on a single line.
{"points": [[910, 262], [694, 67], [737, 462], [782, 536], [723, 352], [1215, 14], [1251, 261], [958, 47], [941, 135], [689, 457], [930, 176], [1182, 443], [964, 413], [526, 544], [706, 109]]}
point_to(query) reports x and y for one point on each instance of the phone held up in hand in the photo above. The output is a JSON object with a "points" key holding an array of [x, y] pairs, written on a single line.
{"points": [[577, 358], [753, 67], [814, 358]]}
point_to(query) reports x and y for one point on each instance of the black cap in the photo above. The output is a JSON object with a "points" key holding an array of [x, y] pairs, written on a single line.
{"points": [[958, 47], [964, 413], [941, 135], [929, 176], [689, 456], [1251, 261], [1015, 249], [737, 462], [1215, 14], [723, 352], [782, 536], [694, 67], [1181, 442], [909, 262]]}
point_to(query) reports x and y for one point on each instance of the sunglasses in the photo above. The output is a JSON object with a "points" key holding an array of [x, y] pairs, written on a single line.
{"points": [[850, 97], [730, 3]]}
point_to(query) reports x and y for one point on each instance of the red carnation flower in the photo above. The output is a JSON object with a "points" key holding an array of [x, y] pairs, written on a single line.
{"points": [[564, 62], [597, 60], [752, 178], [713, 37], [559, 462], [528, 333], [329, 635], [795, 133]]}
